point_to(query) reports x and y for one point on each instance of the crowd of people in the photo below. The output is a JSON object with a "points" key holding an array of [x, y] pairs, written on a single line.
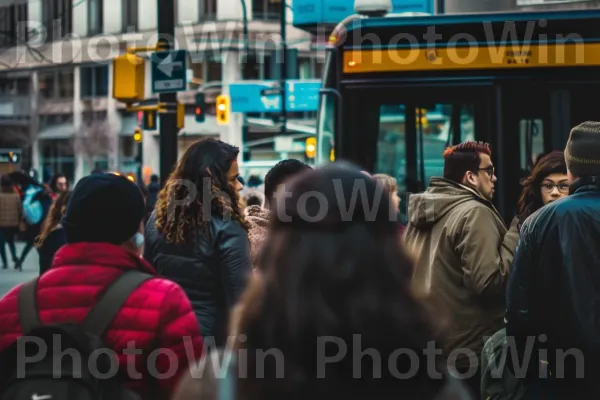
{"points": [[311, 285]]}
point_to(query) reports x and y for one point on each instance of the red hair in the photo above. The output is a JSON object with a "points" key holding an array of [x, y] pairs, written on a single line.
{"points": [[462, 158], [468, 147]]}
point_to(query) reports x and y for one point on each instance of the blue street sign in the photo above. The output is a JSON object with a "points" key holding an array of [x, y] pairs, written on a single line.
{"points": [[262, 96], [302, 96], [169, 71], [310, 12]]}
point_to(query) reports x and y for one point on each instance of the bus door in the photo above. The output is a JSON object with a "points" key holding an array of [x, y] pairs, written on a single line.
{"points": [[415, 125], [526, 126]]}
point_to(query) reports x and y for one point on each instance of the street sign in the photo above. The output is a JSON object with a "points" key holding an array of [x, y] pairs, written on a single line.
{"points": [[169, 71], [331, 12], [264, 96], [302, 96]]}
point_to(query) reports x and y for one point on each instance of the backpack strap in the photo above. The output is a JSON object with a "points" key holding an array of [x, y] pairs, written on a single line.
{"points": [[102, 314], [28, 311]]}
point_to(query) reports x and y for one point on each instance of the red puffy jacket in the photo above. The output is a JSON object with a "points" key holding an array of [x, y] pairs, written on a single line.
{"points": [[157, 315]]}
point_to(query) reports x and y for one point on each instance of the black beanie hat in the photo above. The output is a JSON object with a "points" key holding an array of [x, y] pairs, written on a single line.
{"points": [[582, 153], [103, 208]]}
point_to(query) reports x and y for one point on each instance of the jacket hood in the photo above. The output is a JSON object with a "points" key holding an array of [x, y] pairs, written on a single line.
{"points": [[258, 219], [257, 216], [99, 254], [427, 208]]}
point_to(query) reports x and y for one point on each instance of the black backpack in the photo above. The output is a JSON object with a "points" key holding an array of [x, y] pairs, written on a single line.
{"points": [[77, 363]]}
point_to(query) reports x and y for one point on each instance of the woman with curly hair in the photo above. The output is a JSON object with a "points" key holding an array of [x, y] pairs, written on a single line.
{"points": [[52, 236], [548, 182], [197, 235]]}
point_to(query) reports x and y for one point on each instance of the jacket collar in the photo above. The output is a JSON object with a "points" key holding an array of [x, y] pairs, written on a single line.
{"points": [[587, 184], [438, 181], [99, 254]]}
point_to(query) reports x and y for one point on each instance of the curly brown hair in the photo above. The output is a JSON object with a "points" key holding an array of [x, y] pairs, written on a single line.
{"points": [[56, 212], [201, 174], [531, 197]]}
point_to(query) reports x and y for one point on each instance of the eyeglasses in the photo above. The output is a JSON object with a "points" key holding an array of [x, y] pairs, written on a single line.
{"points": [[549, 187], [490, 170]]}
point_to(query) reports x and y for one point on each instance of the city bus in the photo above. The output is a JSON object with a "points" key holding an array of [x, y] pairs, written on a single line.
{"points": [[518, 81]]}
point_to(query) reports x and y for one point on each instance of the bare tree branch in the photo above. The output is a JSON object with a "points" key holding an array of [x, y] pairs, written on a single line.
{"points": [[94, 139]]}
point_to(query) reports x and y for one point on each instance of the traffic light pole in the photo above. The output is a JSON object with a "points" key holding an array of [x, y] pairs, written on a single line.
{"points": [[245, 128], [168, 121], [283, 67]]}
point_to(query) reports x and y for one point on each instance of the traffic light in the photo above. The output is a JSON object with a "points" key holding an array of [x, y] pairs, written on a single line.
{"points": [[222, 110], [200, 107], [129, 78], [311, 147], [137, 135], [180, 115], [149, 120]]}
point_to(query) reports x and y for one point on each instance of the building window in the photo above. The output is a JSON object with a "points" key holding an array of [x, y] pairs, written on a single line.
{"points": [[130, 15], [95, 20], [214, 71], [251, 68], [57, 18], [13, 24], [208, 10], [56, 83], [65, 83], [266, 9], [46, 84], [94, 81], [198, 69]]}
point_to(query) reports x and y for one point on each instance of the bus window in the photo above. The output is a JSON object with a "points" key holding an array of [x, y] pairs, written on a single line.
{"points": [[436, 131], [531, 136], [391, 147]]}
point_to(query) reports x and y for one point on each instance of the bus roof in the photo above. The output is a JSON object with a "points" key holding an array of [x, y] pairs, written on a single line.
{"points": [[467, 18]]}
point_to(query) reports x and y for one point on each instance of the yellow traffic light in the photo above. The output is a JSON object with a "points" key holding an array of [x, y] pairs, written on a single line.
{"points": [[311, 147], [223, 110], [129, 78], [180, 115], [137, 135]]}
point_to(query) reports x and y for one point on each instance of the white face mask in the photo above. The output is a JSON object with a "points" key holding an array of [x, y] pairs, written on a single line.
{"points": [[137, 240]]}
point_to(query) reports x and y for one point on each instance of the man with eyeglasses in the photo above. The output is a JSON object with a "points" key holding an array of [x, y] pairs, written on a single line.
{"points": [[553, 295], [463, 251]]}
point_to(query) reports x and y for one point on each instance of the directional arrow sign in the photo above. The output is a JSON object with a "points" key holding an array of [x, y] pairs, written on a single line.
{"points": [[169, 71]]}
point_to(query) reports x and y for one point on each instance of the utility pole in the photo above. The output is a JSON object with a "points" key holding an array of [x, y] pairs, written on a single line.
{"points": [[245, 128], [283, 118], [168, 121]]}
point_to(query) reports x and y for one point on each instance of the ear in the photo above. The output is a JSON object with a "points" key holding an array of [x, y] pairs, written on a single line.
{"points": [[470, 179]]}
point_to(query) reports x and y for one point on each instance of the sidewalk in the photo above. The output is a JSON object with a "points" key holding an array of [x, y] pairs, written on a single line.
{"points": [[11, 277]]}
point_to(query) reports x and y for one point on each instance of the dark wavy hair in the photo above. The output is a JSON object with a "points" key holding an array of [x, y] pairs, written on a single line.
{"points": [[340, 276], [531, 198], [201, 173]]}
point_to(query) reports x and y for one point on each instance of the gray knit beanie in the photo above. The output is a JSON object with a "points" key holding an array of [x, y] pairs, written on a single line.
{"points": [[582, 153]]}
